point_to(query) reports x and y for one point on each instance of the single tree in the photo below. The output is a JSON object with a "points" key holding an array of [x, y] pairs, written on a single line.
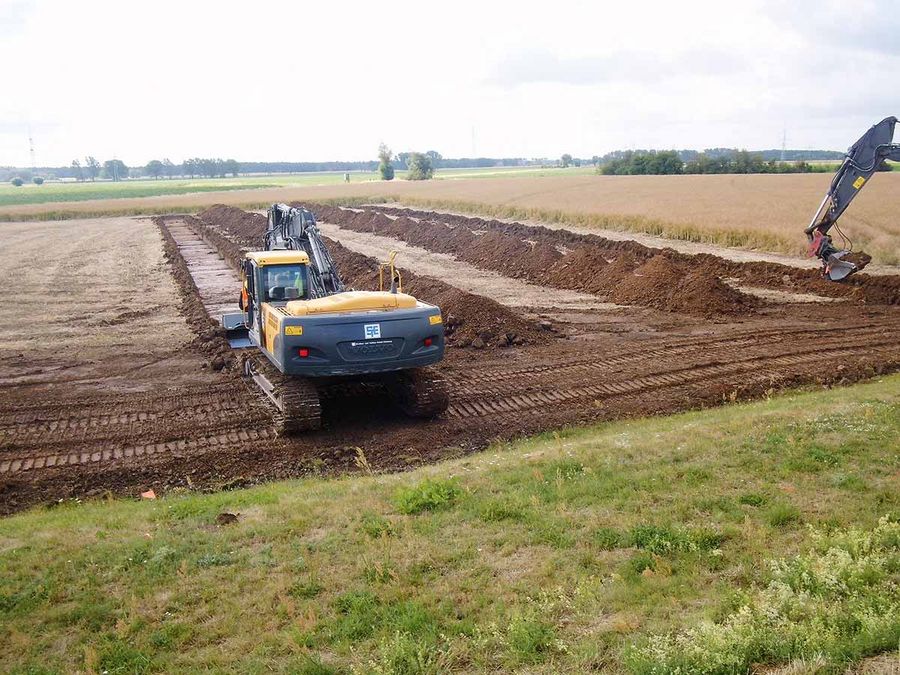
{"points": [[231, 166], [93, 167], [385, 168], [154, 168], [38, 180], [77, 171], [115, 169], [168, 167], [566, 160], [435, 157], [17, 181], [211, 167], [419, 167]]}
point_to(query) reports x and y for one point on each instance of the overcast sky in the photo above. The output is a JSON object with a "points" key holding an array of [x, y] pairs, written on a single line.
{"points": [[330, 80]]}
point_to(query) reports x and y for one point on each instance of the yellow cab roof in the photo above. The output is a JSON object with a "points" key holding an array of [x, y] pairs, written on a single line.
{"points": [[282, 257]]}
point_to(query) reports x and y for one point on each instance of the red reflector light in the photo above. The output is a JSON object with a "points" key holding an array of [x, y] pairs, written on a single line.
{"points": [[428, 342], [303, 352]]}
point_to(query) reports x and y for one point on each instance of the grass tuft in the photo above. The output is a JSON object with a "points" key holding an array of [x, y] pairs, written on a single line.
{"points": [[429, 495], [531, 640], [608, 538], [782, 515]]}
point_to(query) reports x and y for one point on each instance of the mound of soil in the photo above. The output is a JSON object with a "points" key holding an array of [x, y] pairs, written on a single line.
{"points": [[664, 284], [237, 222], [578, 269], [474, 320], [650, 284], [705, 294]]}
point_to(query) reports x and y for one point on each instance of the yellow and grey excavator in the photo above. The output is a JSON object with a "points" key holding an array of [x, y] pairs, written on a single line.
{"points": [[863, 159], [310, 331]]}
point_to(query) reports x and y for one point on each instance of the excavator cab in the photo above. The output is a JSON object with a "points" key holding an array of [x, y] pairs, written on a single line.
{"points": [[286, 282]]}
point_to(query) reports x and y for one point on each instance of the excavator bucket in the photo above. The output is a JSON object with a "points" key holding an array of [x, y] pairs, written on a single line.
{"points": [[837, 264], [836, 268]]}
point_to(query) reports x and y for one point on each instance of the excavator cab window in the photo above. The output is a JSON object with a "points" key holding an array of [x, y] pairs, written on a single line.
{"points": [[281, 283]]}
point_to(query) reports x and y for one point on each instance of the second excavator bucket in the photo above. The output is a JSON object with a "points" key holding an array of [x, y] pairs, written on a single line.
{"points": [[836, 268], [837, 264]]}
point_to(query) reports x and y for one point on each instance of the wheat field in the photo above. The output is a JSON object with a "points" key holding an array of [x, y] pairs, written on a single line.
{"points": [[761, 212]]}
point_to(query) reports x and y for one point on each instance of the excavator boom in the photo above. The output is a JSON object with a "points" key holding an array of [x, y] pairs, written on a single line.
{"points": [[863, 159], [294, 228]]}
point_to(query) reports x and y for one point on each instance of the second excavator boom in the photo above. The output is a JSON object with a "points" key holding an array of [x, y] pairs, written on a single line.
{"points": [[863, 159]]}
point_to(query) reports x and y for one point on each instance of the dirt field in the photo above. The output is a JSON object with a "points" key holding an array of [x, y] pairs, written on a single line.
{"points": [[91, 293], [765, 212], [139, 394]]}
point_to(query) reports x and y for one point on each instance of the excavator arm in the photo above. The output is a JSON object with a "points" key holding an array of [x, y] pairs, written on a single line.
{"points": [[861, 161], [294, 228]]}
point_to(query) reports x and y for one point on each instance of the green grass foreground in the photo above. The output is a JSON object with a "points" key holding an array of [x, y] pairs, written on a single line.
{"points": [[703, 542]]}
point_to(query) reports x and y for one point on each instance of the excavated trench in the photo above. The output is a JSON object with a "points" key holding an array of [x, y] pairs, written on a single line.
{"points": [[509, 375], [621, 271]]}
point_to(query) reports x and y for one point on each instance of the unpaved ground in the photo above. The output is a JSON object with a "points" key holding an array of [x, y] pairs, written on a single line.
{"points": [[503, 289], [146, 409], [89, 294], [604, 266]]}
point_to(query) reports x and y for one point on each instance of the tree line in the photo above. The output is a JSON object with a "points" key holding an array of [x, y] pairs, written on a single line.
{"points": [[423, 164], [668, 162], [89, 168], [690, 155]]}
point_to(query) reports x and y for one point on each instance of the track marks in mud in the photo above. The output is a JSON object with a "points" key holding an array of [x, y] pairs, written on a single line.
{"points": [[189, 445]]}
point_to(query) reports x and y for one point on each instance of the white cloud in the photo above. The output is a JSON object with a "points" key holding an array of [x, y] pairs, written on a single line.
{"points": [[312, 81]]}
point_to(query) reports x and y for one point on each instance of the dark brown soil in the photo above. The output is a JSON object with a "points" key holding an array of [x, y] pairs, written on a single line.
{"points": [[210, 339], [201, 429], [544, 264], [660, 281], [664, 284]]}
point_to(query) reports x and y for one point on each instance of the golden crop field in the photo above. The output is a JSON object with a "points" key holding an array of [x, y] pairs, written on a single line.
{"points": [[763, 212]]}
